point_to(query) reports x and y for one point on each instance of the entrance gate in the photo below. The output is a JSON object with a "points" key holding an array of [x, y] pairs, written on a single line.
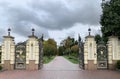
{"points": [[81, 53], [102, 56], [0, 55], [40, 55], [20, 56]]}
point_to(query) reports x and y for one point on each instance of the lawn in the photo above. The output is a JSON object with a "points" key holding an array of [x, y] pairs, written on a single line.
{"points": [[47, 59], [72, 59]]}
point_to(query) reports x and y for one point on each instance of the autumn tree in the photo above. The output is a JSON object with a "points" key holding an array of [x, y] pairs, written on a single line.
{"points": [[75, 49], [69, 46], [50, 47]]}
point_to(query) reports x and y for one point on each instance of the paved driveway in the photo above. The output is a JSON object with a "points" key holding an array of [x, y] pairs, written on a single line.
{"points": [[60, 63], [60, 68]]}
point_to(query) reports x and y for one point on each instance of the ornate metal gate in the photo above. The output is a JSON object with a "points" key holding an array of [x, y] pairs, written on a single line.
{"points": [[41, 52], [0, 56], [81, 53], [20, 56], [102, 56]]}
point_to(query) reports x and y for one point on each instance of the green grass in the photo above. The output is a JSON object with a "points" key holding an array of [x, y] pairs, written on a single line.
{"points": [[47, 59], [72, 59]]}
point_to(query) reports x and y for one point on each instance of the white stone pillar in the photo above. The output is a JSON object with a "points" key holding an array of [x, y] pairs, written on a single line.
{"points": [[90, 55], [32, 53], [8, 53], [113, 51]]}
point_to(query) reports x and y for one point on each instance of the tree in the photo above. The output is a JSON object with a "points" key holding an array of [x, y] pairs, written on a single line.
{"points": [[110, 19], [98, 38], [75, 49], [61, 50], [68, 43], [70, 46], [50, 47], [67, 51]]}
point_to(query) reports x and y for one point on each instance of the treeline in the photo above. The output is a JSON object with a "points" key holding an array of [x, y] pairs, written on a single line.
{"points": [[68, 46]]}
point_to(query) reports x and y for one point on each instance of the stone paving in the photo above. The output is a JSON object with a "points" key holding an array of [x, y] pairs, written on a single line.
{"points": [[60, 68]]}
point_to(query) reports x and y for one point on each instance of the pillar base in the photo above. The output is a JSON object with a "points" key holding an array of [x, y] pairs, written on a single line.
{"points": [[31, 65], [113, 65], [7, 65], [90, 65]]}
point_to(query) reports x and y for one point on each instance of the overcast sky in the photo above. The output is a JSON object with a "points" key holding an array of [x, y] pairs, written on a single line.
{"points": [[56, 19]]}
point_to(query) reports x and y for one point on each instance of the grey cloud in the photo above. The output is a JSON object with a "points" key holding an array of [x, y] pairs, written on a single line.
{"points": [[71, 34], [51, 14], [61, 16], [23, 19], [2, 33]]}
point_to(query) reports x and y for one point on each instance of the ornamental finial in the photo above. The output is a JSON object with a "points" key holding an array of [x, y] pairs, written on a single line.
{"points": [[89, 30], [9, 31], [33, 30]]}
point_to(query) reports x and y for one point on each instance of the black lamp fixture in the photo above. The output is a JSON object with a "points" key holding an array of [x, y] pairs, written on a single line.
{"points": [[89, 30], [33, 30], [9, 30]]}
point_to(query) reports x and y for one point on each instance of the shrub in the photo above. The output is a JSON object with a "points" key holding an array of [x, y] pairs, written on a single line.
{"points": [[118, 64], [0, 67]]}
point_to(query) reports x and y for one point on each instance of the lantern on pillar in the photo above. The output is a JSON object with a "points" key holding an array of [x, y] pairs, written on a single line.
{"points": [[89, 30], [33, 30], [9, 31]]}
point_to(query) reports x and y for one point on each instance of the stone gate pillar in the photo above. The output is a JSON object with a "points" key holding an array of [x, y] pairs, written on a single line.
{"points": [[90, 55], [113, 51], [8, 52], [32, 52]]}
